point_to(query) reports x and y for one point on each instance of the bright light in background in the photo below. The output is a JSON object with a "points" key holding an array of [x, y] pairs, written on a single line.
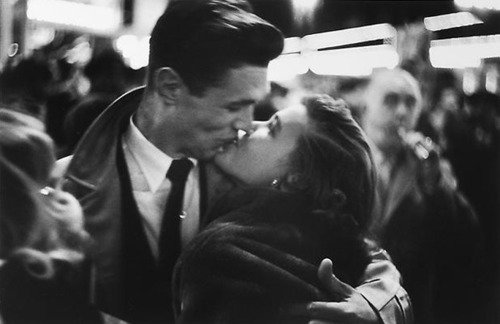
{"points": [[470, 82], [95, 18], [286, 67], [465, 3], [292, 45], [134, 50], [479, 4], [449, 58], [290, 63], [350, 36], [359, 61], [305, 5], [491, 81], [464, 51], [453, 20]]}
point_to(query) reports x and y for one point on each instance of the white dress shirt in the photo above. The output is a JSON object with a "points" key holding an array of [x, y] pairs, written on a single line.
{"points": [[148, 166]]}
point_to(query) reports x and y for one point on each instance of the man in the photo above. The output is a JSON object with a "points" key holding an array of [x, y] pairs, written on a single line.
{"points": [[425, 224], [207, 69]]}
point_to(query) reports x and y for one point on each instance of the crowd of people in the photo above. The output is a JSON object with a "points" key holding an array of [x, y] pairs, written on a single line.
{"points": [[170, 203]]}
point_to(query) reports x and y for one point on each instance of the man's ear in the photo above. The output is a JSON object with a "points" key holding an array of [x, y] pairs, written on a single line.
{"points": [[168, 84]]}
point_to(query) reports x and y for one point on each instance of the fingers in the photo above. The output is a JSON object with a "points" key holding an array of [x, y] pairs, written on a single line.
{"points": [[348, 308], [325, 270], [319, 311], [331, 311], [415, 137], [331, 283], [318, 314]]}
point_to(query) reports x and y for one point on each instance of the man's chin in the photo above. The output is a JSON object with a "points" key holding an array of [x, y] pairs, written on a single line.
{"points": [[207, 158], [219, 159], [212, 155], [202, 155]]}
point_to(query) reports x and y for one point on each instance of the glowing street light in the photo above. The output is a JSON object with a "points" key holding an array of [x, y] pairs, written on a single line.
{"points": [[305, 6], [478, 4]]}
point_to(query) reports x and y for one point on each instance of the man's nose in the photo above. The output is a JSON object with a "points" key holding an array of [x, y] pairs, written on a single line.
{"points": [[402, 110], [244, 120]]}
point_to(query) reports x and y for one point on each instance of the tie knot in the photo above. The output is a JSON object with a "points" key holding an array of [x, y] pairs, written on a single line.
{"points": [[179, 170]]}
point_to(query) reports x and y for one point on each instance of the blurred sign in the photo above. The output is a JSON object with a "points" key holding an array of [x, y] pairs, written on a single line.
{"points": [[96, 16], [479, 4]]}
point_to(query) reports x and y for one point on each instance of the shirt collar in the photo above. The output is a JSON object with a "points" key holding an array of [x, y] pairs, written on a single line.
{"points": [[153, 163]]}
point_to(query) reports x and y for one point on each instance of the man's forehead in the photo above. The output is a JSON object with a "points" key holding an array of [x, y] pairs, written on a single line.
{"points": [[398, 85], [243, 77]]}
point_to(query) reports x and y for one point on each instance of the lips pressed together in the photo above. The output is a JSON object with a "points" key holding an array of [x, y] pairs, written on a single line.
{"points": [[233, 141]]}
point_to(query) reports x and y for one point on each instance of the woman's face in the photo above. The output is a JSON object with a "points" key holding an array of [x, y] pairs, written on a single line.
{"points": [[263, 156]]}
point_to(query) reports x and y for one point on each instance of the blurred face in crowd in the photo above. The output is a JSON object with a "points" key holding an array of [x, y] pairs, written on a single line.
{"points": [[209, 123], [392, 105], [263, 156], [449, 100]]}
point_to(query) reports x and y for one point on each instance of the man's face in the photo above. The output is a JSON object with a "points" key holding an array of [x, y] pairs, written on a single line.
{"points": [[393, 104], [210, 122]]}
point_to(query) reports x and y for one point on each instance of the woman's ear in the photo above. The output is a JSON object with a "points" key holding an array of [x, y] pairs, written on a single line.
{"points": [[168, 84]]}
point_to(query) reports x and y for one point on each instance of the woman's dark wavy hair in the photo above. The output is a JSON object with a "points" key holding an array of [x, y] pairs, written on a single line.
{"points": [[202, 39], [33, 223], [333, 160], [29, 149]]}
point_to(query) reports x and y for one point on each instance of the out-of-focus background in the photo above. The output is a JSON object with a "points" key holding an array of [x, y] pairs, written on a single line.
{"points": [[331, 45], [68, 59], [458, 36]]}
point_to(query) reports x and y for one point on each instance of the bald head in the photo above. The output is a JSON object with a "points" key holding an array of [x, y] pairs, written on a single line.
{"points": [[393, 101]]}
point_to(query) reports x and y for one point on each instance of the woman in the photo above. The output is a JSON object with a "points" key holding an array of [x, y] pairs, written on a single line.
{"points": [[43, 276], [309, 181], [31, 151]]}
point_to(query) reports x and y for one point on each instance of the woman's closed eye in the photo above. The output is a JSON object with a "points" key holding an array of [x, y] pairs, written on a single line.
{"points": [[274, 125]]}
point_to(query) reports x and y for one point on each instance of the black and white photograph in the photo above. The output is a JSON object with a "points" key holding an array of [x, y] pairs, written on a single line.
{"points": [[249, 161]]}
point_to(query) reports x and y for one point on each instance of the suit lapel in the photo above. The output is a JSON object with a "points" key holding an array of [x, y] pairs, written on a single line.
{"points": [[401, 183], [390, 195]]}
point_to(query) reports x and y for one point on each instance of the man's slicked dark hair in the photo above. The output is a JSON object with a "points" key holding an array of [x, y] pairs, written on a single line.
{"points": [[202, 39]]}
